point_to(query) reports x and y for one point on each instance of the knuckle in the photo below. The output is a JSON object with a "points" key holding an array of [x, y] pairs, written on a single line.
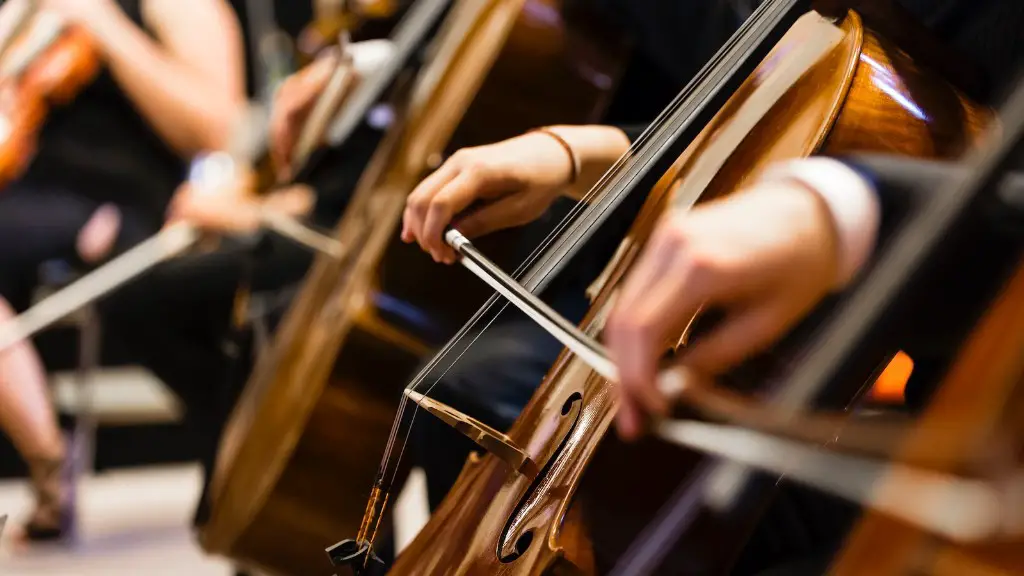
{"points": [[677, 235], [416, 203], [439, 206], [462, 157], [705, 264]]}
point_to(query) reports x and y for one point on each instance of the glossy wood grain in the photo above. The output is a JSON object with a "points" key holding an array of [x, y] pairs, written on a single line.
{"points": [[863, 96], [302, 449]]}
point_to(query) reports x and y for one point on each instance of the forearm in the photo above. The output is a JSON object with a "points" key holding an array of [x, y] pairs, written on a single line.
{"points": [[596, 148], [183, 108]]}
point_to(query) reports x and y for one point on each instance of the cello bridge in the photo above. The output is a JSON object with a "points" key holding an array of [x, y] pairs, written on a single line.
{"points": [[486, 437]]}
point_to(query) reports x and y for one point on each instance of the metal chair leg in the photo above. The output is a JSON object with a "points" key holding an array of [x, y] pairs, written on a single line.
{"points": [[81, 451]]}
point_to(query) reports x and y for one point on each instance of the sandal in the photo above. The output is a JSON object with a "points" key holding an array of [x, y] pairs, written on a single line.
{"points": [[53, 518]]}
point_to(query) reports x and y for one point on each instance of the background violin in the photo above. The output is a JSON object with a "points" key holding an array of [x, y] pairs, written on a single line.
{"points": [[47, 64]]}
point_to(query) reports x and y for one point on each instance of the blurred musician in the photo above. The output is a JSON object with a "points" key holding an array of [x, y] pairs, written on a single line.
{"points": [[178, 319], [496, 376], [107, 166], [768, 255]]}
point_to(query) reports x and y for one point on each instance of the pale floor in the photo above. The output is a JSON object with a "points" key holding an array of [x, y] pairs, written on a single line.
{"points": [[131, 523], [136, 522]]}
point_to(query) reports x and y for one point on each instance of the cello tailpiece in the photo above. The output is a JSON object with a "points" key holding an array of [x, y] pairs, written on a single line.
{"points": [[358, 557]]}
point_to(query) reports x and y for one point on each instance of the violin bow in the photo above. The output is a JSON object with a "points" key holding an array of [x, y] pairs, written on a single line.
{"points": [[208, 172]]}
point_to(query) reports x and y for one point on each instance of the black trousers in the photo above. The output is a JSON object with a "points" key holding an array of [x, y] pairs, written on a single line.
{"points": [[177, 321], [41, 224], [174, 320]]}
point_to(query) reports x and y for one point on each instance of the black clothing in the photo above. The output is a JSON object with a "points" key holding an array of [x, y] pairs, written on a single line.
{"points": [[96, 149], [970, 274], [100, 147], [38, 224]]}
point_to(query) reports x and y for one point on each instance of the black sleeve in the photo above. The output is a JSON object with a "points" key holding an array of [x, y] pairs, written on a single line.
{"points": [[904, 185], [950, 296]]}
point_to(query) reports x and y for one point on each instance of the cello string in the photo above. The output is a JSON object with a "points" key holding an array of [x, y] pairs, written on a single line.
{"points": [[728, 51], [601, 186], [629, 162], [738, 42]]}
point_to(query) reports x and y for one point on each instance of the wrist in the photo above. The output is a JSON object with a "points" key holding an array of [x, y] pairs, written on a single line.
{"points": [[570, 154], [596, 149], [850, 202]]}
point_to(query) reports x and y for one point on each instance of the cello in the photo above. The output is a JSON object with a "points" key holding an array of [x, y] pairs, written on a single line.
{"points": [[942, 497], [834, 83], [304, 438], [984, 420]]}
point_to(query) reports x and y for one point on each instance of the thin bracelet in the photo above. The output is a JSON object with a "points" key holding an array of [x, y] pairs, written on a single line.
{"points": [[573, 159]]}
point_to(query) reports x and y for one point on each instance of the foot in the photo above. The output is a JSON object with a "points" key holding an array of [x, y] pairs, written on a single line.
{"points": [[53, 518]]}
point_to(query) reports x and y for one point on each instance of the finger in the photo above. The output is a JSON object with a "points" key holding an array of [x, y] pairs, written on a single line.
{"points": [[637, 332], [654, 260], [507, 212], [419, 199], [178, 203], [741, 334], [283, 126], [627, 419], [453, 198]]}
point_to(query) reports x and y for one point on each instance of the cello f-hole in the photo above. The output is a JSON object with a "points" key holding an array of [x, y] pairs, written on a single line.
{"points": [[518, 534]]}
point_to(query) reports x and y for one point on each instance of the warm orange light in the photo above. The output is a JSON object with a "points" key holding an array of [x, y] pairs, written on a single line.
{"points": [[890, 385]]}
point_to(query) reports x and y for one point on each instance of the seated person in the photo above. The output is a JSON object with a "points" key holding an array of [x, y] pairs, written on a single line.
{"points": [[807, 237], [106, 167]]}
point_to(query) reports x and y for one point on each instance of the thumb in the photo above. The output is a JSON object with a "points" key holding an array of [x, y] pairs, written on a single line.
{"points": [[742, 334]]}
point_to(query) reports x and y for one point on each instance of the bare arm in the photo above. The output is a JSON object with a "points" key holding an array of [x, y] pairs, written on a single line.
{"points": [[597, 148], [190, 85]]}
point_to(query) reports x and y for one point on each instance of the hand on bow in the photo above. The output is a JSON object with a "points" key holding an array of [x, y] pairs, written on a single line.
{"points": [[237, 209], [518, 179], [292, 105], [764, 256], [228, 209]]}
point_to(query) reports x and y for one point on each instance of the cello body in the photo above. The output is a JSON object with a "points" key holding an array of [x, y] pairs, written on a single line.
{"points": [[594, 495], [303, 445]]}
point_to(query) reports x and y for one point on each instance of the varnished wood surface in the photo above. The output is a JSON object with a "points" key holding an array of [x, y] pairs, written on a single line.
{"points": [[300, 453], [862, 97]]}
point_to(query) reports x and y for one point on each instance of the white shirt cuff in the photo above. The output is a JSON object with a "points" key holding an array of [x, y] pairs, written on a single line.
{"points": [[369, 56], [851, 201]]}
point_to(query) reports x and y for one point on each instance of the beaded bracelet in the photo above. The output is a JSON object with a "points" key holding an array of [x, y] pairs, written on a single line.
{"points": [[574, 160]]}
